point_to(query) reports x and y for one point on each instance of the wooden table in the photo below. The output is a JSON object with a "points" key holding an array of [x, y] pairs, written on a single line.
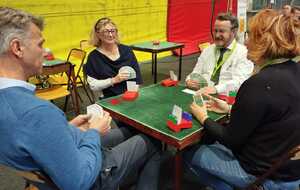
{"points": [[60, 66], [155, 49], [149, 112]]}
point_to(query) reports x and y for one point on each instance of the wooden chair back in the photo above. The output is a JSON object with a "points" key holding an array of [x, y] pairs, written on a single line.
{"points": [[293, 154], [76, 54]]}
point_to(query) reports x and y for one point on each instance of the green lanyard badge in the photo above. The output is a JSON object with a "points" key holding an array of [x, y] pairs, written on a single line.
{"points": [[227, 54]]}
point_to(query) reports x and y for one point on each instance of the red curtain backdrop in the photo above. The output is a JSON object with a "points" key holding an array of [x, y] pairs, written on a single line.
{"points": [[189, 21]]}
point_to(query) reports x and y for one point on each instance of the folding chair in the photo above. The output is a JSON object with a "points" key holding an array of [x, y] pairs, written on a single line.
{"points": [[87, 85], [293, 154], [79, 54], [57, 91], [33, 178], [84, 44]]}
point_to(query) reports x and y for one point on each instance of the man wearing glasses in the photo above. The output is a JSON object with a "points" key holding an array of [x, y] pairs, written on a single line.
{"points": [[223, 64]]}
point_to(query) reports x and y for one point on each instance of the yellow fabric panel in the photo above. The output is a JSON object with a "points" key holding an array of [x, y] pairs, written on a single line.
{"points": [[69, 21]]}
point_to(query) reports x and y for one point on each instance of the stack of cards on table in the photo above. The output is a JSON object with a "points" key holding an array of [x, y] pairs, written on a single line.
{"points": [[129, 70], [94, 110], [132, 91], [173, 80], [179, 120], [200, 79]]}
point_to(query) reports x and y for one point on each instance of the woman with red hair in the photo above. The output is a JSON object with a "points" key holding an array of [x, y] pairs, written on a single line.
{"points": [[264, 122]]}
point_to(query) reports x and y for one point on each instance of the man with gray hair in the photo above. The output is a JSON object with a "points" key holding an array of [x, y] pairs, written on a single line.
{"points": [[223, 64], [36, 135]]}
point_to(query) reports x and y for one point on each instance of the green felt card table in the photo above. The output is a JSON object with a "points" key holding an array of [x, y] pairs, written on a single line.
{"points": [[149, 114], [154, 49]]}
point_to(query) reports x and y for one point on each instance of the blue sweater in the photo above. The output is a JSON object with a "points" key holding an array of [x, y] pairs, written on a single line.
{"points": [[34, 135]]}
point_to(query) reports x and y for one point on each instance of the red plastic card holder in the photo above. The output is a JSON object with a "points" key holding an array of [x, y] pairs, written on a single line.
{"points": [[229, 99], [130, 96], [169, 82], [185, 124]]}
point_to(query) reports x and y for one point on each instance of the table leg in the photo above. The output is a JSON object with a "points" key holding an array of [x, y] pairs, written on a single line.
{"points": [[180, 64], [155, 67], [178, 170], [152, 64]]}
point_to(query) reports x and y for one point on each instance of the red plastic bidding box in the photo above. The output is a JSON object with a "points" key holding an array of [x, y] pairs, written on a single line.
{"points": [[49, 56], [155, 42], [185, 124], [169, 82], [130, 95], [229, 99], [115, 101]]}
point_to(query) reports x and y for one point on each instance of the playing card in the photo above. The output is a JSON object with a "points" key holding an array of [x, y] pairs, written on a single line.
{"points": [[94, 110], [173, 76], [132, 86], [128, 69], [189, 91], [200, 79], [177, 112], [198, 99]]}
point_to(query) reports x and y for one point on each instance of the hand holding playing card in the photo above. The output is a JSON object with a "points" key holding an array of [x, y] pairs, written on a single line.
{"points": [[217, 105], [94, 110], [196, 81], [120, 77], [192, 84], [199, 112], [101, 124], [198, 99], [81, 121], [129, 71], [208, 90]]}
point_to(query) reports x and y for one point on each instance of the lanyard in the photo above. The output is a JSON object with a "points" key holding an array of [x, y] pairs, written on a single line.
{"points": [[278, 61], [227, 54]]}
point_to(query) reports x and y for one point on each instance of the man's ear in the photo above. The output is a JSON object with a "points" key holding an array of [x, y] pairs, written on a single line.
{"points": [[16, 47]]}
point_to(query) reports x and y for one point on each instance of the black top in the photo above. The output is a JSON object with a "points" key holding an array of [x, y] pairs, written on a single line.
{"points": [[265, 121], [100, 67]]}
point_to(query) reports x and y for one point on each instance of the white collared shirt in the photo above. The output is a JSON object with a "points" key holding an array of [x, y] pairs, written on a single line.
{"points": [[9, 82], [235, 70]]}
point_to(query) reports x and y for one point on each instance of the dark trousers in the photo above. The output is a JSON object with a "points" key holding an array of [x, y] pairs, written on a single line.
{"points": [[124, 154]]}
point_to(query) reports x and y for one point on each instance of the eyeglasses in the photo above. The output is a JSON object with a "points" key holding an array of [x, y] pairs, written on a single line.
{"points": [[107, 31], [222, 31]]}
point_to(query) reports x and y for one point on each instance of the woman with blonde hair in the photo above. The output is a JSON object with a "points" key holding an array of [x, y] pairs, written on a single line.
{"points": [[264, 122], [102, 70], [103, 74], [103, 63]]}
